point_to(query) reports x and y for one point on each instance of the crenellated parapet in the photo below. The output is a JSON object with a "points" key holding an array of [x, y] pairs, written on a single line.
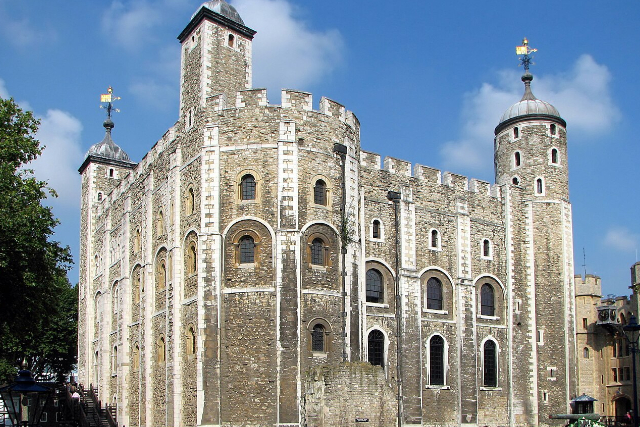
{"points": [[294, 100], [429, 175]]}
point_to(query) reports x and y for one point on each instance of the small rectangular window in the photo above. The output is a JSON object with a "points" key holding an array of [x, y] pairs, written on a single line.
{"points": [[585, 323], [614, 371], [545, 396], [540, 336]]}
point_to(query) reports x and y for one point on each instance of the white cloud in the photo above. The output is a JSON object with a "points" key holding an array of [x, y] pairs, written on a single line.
{"points": [[286, 53], [581, 95], [131, 25], [621, 239], [60, 134], [21, 33]]}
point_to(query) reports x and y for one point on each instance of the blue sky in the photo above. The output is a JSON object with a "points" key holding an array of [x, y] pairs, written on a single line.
{"points": [[427, 80]]}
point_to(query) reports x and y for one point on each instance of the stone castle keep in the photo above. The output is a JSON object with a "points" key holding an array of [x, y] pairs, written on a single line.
{"points": [[258, 268]]}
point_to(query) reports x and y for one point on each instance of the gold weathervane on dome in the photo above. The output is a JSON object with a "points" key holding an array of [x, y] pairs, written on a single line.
{"points": [[526, 52], [108, 98]]}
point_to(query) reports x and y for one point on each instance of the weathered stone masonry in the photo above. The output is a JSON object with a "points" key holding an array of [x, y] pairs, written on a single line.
{"points": [[249, 267]]}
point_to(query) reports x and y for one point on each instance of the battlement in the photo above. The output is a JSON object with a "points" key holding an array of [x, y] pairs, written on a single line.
{"points": [[428, 174], [290, 99], [589, 285]]}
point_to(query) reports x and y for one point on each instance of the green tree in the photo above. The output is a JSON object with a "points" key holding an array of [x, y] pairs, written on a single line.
{"points": [[38, 306]]}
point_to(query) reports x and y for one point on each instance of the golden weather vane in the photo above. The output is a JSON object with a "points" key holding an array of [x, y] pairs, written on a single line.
{"points": [[526, 52], [108, 98]]}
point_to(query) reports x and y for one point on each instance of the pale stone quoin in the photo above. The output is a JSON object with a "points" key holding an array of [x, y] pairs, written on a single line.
{"points": [[258, 268]]}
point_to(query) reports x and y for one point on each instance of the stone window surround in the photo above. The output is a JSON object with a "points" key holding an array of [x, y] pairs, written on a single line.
{"points": [[497, 363], [447, 292], [558, 162], [488, 256], [438, 245], [327, 336], [327, 251], [445, 363], [380, 229], [235, 241], [388, 285], [498, 299], [328, 191], [258, 180]]}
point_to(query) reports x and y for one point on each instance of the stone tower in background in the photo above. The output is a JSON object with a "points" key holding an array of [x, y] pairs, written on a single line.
{"points": [[531, 164]]}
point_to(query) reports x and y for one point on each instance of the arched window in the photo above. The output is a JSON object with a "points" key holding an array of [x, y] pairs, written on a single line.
{"points": [[585, 353], [552, 129], [320, 193], [247, 250], [375, 286], [539, 186], [375, 345], [192, 259], [137, 283], [435, 240], [114, 360], [436, 360], [191, 201], [160, 224], [515, 180], [317, 252], [231, 40], [136, 241], [434, 294], [516, 158], [516, 132], [490, 364], [375, 229], [162, 275], [162, 350], [486, 248], [135, 359], [554, 156], [487, 302], [317, 338], [248, 187], [191, 341]]}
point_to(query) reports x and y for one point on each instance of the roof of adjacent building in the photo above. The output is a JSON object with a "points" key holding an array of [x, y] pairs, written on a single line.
{"points": [[106, 148]]}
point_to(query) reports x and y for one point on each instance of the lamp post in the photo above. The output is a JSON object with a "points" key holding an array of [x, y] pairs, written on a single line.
{"points": [[24, 399], [632, 333]]}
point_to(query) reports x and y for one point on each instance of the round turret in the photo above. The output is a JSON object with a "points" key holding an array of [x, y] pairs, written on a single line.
{"points": [[107, 149], [531, 148], [223, 8]]}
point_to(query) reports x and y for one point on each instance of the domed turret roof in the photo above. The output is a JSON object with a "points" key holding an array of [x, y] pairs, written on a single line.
{"points": [[223, 8], [107, 149], [529, 105]]}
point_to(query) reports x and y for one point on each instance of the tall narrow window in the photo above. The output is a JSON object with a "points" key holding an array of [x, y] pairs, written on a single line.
{"points": [[317, 338], [539, 187], [162, 275], [114, 360], [231, 40], [487, 303], [192, 261], [248, 187], [191, 340], [516, 158], [554, 156], [191, 201], [375, 230], [435, 240], [320, 193], [553, 129], [135, 360], [375, 346], [317, 252], [162, 350], [486, 248], [247, 250], [516, 132], [374, 286], [585, 353], [436, 360], [490, 364], [434, 294]]}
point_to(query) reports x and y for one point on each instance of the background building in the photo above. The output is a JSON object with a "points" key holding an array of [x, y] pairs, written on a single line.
{"points": [[257, 267]]}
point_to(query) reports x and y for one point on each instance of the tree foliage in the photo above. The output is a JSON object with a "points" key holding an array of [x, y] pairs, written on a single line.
{"points": [[38, 306]]}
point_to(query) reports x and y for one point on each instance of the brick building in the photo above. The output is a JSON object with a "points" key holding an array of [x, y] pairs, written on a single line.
{"points": [[258, 268]]}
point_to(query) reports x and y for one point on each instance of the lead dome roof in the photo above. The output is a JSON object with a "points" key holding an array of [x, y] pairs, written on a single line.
{"points": [[107, 149], [223, 8], [529, 105]]}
